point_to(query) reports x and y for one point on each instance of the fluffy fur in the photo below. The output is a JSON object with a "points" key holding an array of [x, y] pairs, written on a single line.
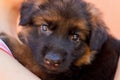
{"points": [[66, 40]]}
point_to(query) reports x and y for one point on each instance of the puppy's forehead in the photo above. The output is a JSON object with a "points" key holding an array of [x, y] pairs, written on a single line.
{"points": [[64, 8], [70, 11]]}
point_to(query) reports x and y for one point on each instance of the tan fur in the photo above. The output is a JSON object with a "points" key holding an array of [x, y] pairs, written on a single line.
{"points": [[86, 58]]}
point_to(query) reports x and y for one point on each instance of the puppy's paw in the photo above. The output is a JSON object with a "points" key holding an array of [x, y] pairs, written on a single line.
{"points": [[10, 41], [4, 37]]}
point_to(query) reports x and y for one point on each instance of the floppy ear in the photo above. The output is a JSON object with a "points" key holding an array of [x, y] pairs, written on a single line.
{"points": [[98, 29], [26, 13], [98, 37]]}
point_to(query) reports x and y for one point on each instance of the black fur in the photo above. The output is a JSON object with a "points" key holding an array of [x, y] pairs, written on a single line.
{"points": [[50, 28]]}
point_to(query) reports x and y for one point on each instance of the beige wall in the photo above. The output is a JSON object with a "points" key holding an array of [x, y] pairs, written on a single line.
{"points": [[111, 14]]}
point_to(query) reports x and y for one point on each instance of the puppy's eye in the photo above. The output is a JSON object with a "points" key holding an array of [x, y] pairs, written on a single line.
{"points": [[75, 37], [45, 30], [44, 27]]}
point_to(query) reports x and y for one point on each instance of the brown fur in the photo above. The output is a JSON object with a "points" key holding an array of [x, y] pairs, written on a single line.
{"points": [[86, 58], [93, 56]]}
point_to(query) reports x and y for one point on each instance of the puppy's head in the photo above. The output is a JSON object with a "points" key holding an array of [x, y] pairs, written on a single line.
{"points": [[62, 33]]}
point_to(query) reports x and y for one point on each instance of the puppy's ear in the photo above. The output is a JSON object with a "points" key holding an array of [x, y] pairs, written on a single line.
{"points": [[98, 28], [98, 37], [26, 13]]}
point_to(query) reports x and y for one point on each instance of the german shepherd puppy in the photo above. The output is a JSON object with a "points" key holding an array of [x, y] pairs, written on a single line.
{"points": [[66, 40]]}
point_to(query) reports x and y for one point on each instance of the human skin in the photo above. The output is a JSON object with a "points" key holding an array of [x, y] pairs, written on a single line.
{"points": [[117, 76], [10, 69]]}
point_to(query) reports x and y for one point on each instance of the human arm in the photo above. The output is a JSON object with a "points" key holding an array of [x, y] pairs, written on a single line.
{"points": [[117, 75], [10, 69]]}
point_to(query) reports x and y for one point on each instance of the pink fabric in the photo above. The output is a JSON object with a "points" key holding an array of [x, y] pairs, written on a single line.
{"points": [[4, 47]]}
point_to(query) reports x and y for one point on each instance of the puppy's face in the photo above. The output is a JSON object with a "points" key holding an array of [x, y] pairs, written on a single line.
{"points": [[61, 33]]}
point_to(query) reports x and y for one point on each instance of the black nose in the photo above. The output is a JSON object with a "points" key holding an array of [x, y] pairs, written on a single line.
{"points": [[52, 59]]}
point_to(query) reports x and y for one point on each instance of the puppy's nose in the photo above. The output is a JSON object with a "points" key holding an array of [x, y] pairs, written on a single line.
{"points": [[52, 59]]}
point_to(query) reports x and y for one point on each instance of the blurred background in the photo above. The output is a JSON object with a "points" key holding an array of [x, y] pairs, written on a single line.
{"points": [[111, 14]]}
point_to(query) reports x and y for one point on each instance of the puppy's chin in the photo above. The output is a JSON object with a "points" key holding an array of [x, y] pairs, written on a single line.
{"points": [[51, 70]]}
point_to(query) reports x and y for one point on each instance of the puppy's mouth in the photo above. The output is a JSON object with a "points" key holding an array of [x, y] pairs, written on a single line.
{"points": [[51, 67]]}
